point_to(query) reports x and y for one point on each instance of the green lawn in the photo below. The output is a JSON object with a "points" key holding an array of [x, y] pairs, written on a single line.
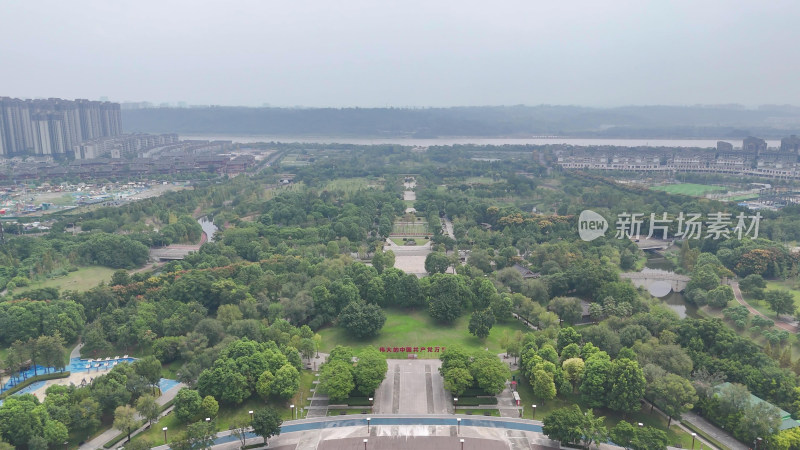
{"points": [[83, 279], [419, 228], [399, 241], [350, 185], [416, 329], [692, 189]]}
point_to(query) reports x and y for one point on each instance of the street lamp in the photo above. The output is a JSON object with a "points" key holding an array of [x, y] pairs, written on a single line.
{"points": [[694, 435], [455, 404], [459, 425], [365, 444], [534, 412], [208, 419], [641, 425], [251, 415], [758, 441], [165, 434], [462, 443], [370, 401], [65, 445], [368, 419], [292, 406]]}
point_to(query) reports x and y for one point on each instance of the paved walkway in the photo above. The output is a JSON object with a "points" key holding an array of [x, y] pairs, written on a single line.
{"points": [[712, 430], [784, 325], [307, 434], [111, 433]]}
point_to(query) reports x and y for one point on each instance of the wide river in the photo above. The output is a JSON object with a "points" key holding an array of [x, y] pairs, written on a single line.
{"points": [[672, 143]]}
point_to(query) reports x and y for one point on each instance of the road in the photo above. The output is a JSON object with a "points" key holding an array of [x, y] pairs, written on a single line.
{"points": [[790, 327], [307, 434]]}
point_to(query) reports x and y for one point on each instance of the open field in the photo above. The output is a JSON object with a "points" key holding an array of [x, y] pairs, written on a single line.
{"points": [[410, 228], [416, 328], [83, 279], [692, 189], [419, 241], [349, 185]]}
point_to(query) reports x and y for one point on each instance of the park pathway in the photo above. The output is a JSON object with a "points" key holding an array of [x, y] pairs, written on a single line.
{"points": [[784, 325], [100, 440]]}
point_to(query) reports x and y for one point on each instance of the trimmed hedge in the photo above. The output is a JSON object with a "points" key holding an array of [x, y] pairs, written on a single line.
{"points": [[358, 401], [31, 380], [473, 392], [476, 401]]}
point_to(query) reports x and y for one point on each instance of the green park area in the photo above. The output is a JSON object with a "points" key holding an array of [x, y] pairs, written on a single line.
{"points": [[410, 228], [402, 241], [349, 185], [691, 189], [82, 279], [416, 329], [229, 415]]}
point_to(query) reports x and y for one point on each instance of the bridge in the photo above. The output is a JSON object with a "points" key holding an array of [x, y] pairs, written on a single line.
{"points": [[652, 243], [658, 282]]}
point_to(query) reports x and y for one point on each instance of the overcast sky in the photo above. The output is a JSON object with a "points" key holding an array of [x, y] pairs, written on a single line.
{"points": [[403, 52]]}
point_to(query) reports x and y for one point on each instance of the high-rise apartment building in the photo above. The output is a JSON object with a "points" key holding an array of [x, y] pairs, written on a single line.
{"points": [[54, 126]]}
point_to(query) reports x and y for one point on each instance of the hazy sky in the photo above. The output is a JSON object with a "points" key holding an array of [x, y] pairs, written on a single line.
{"points": [[403, 52]]}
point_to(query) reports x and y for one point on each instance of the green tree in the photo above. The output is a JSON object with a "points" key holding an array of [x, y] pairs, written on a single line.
{"points": [[489, 372], [623, 434], [148, 408], [200, 434], [209, 407], [573, 371], [720, 296], [286, 382], [457, 380], [436, 262], [543, 386], [125, 419], [758, 420], [568, 309], [752, 282], [596, 379], [627, 386], [566, 336], [370, 370], [781, 301], [149, 367], [447, 295], [481, 322], [55, 432], [649, 438], [362, 320], [336, 379], [264, 384], [188, 404], [594, 429], [674, 395], [564, 425], [267, 423], [502, 307]]}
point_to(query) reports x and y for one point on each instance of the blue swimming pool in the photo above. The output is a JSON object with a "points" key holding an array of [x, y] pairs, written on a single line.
{"points": [[166, 384], [76, 365]]}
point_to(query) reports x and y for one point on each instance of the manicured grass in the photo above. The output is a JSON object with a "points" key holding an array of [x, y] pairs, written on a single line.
{"points": [[350, 185], [347, 412], [739, 198], [415, 328], [400, 241], [418, 228], [692, 189], [479, 412], [83, 279], [478, 180]]}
